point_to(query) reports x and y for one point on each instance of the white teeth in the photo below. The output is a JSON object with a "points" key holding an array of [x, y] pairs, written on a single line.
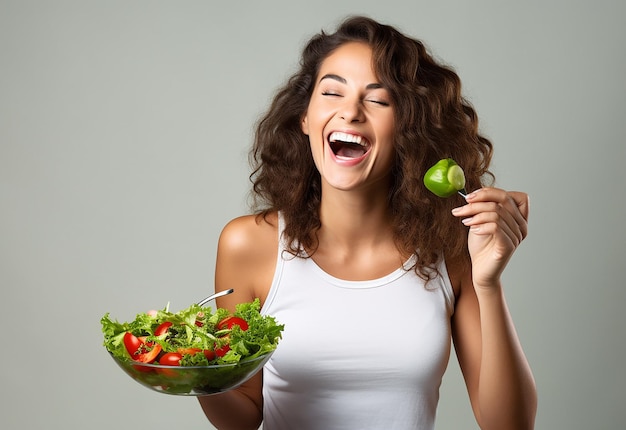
{"points": [[345, 137]]}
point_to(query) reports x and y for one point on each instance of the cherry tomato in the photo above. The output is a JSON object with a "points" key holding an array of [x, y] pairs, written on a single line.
{"points": [[230, 322], [170, 359]]}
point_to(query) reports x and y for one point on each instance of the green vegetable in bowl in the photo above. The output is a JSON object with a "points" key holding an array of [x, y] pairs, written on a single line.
{"points": [[196, 336], [445, 178], [194, 352]]}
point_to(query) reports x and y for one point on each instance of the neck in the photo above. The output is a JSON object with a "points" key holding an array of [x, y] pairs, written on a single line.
{"points": [[352, 219], [356, 240]]}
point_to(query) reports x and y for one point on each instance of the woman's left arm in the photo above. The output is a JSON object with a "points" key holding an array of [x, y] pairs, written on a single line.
{"points": [[499, 380]]}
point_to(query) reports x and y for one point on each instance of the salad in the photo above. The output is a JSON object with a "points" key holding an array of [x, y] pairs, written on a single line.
{"points": [[196, 336]]}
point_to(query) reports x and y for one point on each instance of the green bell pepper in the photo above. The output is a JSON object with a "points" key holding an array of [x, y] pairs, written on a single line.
{"points": [[445, 178]]}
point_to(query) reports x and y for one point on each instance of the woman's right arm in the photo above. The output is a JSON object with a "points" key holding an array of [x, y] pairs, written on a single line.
{"points": [[241, 408], [246, 260]]}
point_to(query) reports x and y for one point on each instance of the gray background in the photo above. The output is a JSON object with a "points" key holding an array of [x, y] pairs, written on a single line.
{"points": [[124, 128]]}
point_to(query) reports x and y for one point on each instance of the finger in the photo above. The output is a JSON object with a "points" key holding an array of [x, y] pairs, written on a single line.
{"points": [[505, 214], [515, 202], [498, 222], [522, 201], [517, 205]]}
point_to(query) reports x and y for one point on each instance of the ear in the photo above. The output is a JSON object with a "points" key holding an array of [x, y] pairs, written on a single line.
{"points": [[304, 124]]}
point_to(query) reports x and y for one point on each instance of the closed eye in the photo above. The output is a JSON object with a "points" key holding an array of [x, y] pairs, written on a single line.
{"points": [[331, 93], [379, 102]]}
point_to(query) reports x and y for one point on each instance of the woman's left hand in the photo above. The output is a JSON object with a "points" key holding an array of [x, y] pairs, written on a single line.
{"points": [[498, 222]]}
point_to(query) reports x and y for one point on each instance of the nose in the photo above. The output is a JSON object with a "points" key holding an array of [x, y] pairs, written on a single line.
{"points": [[352, 110]]}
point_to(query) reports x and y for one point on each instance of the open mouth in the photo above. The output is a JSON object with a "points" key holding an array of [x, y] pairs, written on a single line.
{"points": [[347, 146]]}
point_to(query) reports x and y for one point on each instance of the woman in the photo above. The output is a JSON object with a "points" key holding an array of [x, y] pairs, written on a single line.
{"points": [[370, 273]]}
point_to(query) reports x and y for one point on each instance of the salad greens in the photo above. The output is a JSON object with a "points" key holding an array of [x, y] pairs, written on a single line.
{"points": [[222, 337]]}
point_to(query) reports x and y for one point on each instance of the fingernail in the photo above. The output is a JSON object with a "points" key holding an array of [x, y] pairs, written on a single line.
{"points": [[456, 210], [466, 220]]}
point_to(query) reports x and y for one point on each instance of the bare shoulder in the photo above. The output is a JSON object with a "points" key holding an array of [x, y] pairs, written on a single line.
{"points": [[246, 257], [249, 235]]}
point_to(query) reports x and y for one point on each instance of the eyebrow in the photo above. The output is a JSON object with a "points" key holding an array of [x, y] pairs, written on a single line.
{"points": [[343, 81]]}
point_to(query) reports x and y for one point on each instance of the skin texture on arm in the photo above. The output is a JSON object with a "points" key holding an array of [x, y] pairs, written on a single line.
{"points": [[246, 257], [499, 380]]}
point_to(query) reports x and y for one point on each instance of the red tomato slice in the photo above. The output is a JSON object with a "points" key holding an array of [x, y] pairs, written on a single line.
{"points": [[230, 322], [132, 343], [162, 328], [210, 355], [170, 359], [148, 356], [139, 350], [220, 352]]}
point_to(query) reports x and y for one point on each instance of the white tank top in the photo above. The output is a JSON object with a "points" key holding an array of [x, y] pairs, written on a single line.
{"points": [[355, 355]]}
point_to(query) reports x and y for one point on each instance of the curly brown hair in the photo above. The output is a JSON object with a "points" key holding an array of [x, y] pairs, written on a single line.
{"points": [[433, 121]]}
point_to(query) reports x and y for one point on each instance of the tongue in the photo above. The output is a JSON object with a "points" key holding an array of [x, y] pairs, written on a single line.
{"points": [[349, 150]]}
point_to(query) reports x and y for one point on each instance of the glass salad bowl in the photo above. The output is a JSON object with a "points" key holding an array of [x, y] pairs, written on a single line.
{"points": [[193, 380]]}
